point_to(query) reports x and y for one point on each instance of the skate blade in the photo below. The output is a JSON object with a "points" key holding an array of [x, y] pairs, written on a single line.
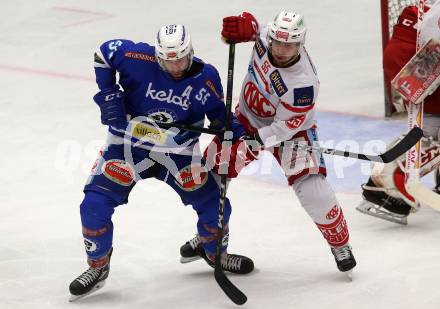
{"points": [[184, 260], [97, 287], [372, 210], [349, 275]]}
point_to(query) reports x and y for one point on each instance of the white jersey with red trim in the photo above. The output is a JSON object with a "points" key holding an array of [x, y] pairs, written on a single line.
{"points": [[278, 102]]}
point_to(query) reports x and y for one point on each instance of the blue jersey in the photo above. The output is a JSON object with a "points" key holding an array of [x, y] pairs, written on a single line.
{"points": [[151, 92]]}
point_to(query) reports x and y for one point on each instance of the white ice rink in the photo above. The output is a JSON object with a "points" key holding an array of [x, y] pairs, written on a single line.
{"points": [[50, 136]]}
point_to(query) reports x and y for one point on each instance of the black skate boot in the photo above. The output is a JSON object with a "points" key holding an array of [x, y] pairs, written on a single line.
{"points": [[89, 281], [193, 250], [344, 259], [378, 203], [189, 251], [234, 263]]}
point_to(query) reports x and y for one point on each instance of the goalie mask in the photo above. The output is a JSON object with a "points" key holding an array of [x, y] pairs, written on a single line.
{"points": [[173, 46]]}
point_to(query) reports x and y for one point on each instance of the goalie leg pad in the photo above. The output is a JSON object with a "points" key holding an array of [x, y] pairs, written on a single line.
{"points": [[391, 177]]}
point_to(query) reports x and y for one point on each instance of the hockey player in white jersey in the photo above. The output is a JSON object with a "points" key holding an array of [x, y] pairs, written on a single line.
{"points": [[276, 107]]}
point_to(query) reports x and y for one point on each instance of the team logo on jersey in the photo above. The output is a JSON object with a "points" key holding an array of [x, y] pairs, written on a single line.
{"points": [[303, 96], [162, 115], [191, 177], [118, 171], [256, 102], [259, 48], [295, 122], [278, 84]]}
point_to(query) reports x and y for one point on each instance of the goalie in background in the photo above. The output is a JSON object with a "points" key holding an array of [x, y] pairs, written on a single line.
{"points": [[384, 193]]}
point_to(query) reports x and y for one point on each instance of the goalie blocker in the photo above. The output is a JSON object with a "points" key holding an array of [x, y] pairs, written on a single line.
{"points": [[385, 195]]}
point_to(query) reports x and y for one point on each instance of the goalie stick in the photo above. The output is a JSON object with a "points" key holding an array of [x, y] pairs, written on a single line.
{"points": [[415, 119]]}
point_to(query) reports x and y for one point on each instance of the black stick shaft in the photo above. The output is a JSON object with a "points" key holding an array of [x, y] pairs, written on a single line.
{"points": [[226, 285]]}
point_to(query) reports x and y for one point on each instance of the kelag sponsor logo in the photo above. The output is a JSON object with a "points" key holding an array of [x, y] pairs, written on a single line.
{"points": [[167, 96]]}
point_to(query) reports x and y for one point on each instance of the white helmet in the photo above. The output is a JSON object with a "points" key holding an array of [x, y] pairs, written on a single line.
{"points": [[173, 42], [288, 27]]}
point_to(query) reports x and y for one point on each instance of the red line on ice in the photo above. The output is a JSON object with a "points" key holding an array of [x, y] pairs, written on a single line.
{"points": [[81, 11], [45, 73]]}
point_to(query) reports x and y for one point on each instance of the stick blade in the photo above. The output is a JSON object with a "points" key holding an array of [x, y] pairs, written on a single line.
{"points": [[410, 139], [424, 195], [237, 296]]}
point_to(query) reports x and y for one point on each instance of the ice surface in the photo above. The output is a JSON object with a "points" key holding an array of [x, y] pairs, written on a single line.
{"points": [[51, 133]]}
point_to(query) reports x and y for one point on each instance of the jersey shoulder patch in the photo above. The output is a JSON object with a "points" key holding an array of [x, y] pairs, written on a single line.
{"points": [[303, 96]]}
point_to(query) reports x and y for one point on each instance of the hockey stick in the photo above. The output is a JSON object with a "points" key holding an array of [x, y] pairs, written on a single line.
{"points": [[186, 127], [410, 139], [227, 286], [388, 156]]}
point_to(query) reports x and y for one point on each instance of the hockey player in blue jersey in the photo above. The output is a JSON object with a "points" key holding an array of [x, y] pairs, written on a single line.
{"points": [[160, 84]]}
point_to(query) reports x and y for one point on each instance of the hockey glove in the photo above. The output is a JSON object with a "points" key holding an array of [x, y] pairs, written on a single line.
{"points": [[242, 28], [231, 159], [111, 104]]}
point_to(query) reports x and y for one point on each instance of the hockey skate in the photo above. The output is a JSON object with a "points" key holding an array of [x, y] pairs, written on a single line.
{"points": [[188, 252], [344, 259], [89, 281], [379, 204], [192, 250]]}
